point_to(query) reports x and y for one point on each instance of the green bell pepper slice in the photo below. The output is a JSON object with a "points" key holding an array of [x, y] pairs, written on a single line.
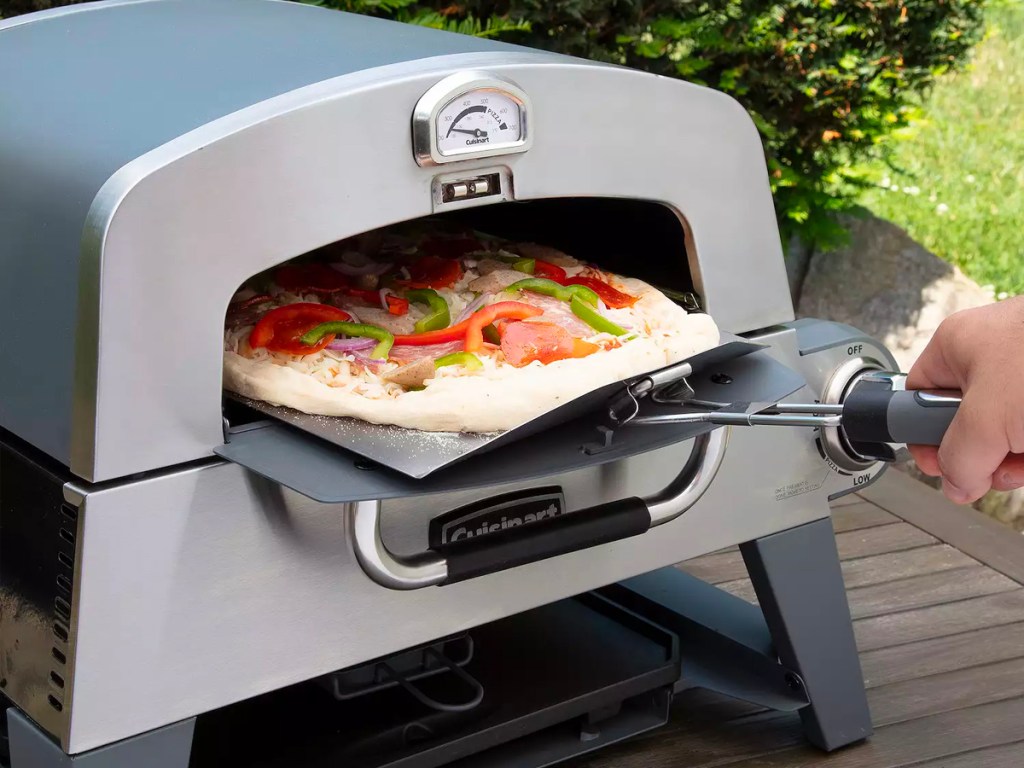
{"points": [[468, 359], [340, 328], [491, 334], [518, 263], [439, 316], [550, 288], [593, 318]]}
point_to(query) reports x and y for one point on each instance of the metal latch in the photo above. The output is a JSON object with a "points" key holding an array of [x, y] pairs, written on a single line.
{"points": [[469, 189]]}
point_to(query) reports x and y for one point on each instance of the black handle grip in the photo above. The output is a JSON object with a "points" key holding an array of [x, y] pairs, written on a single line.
{"points": [[556, 536], [874, 415]]}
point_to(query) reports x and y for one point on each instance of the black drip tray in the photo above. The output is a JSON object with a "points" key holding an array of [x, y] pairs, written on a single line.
{"points": [[558, 681]]}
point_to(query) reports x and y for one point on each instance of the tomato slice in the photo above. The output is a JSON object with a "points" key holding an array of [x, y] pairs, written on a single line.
{"points": [[613, 297], [523, 343], [280, 329], [433, 272], [310, 278]]}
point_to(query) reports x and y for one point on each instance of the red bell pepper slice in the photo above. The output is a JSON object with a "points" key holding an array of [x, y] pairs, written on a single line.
{"points": [[397, 305], [548, 270], [612, 297], [280, 329], [474, 324], [511, 310], [432, 272]]}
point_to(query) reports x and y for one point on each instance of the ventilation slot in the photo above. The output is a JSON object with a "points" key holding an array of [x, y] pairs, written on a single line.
{"points": [[63, 609], [60, 631], [66, 561], [55, 703], [57, 680], [70, 513], [67, 535], [59, 656]]}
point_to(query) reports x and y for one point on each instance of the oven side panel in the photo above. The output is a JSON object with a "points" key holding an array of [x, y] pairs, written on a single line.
{"points": [[302, 171], [38, 534]]}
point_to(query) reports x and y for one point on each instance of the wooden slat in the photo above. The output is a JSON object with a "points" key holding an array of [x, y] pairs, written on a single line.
{"points": [[863, 514], [728, 566], [907, 743], [939, 621], [879, 569], [908, 594], [1005, 756], [971, 532], [850, 498], [944, 654]]}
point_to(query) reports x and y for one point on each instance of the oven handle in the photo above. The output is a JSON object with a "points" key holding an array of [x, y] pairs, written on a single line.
{"points": [[561, 535]]}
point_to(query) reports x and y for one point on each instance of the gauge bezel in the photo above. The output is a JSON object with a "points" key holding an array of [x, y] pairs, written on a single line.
{"points": [[428, 108]]}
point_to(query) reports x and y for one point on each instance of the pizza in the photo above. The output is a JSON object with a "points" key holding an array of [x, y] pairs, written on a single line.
{"points": [[447, 331]]}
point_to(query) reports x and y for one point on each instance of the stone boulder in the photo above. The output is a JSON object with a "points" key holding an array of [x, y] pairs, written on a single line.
{"points": [[888, 285]]}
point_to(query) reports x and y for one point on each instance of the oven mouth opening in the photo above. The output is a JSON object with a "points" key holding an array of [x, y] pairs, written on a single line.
{"points": [[628, 237]]}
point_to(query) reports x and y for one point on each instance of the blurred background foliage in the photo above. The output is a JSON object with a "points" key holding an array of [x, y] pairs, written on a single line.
{"points": [[830, 83]]}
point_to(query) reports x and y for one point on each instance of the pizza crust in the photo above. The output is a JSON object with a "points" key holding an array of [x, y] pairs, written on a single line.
{"points": [[491, 401]]}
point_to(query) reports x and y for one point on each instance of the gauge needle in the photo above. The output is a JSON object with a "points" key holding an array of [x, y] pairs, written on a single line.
{"points": [[475, 132]]}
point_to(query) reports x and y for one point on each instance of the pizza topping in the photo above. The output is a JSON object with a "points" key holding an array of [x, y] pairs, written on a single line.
{"points": [[613, 297], [495, 282], [413, 374], [450, 247], [355, 264], [279, 330], [310, 278], [472, 307], [438, 316], [551, 288], [548, 270], [466, 359], [512, 310], [392, 302], [432, 272], [593, 318], [333, 328], [524, 343]]}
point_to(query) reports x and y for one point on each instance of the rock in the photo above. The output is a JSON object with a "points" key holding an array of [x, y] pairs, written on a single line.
{"points": [[897, 291], [888, 285]]}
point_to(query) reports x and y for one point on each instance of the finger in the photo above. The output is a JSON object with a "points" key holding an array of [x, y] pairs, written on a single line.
{"points": [[932, 369], [1010, 474], [972, 450], [927, 459]]}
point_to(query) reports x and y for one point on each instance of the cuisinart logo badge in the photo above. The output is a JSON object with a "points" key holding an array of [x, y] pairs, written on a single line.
{"points": [[495, 516]]}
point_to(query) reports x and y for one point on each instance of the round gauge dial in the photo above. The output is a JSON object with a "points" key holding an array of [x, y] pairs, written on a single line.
{"points": [[482, 119]]}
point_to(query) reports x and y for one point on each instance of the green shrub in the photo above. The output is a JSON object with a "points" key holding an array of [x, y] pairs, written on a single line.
{"points": [[829, 83]]}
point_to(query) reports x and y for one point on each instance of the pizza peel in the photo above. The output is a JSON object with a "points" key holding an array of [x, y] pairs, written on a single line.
{"points": [[417, 454]]}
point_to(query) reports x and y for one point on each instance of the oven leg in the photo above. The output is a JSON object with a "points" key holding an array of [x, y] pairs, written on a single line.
{"points": [[168, 747], [799, 585]]}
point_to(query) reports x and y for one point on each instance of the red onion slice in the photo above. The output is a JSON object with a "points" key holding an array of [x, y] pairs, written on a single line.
{"points": [[351, 345], [368, 361], [471, 308]]}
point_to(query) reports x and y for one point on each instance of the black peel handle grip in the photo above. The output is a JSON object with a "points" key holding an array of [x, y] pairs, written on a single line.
{"points": [[589, 527], [913, 418]]}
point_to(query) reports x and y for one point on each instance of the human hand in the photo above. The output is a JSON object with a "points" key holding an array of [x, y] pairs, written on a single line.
{"points": [[980, 352]]}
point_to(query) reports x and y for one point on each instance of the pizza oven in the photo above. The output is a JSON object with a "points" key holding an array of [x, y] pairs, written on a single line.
{"points": [[179, 569]]}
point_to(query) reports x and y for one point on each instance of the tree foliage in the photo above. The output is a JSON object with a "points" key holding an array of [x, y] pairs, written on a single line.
{"points": [[829, 83]]}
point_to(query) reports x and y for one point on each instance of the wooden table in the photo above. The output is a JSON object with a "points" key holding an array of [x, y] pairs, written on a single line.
{"points": [[938, 605]]}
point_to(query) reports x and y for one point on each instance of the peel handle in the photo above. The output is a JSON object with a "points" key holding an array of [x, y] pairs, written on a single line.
{"points": [[872, 415]]}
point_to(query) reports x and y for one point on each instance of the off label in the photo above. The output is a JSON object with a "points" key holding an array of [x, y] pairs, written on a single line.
{"points": [[854, 349]]}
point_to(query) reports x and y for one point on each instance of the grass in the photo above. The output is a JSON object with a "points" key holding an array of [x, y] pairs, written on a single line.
{"points": [[959, 190]]}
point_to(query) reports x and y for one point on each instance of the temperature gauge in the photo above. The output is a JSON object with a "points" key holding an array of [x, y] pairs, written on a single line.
{"points": [[470, 115]]}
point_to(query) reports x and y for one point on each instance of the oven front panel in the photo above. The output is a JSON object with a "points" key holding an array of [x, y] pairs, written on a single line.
{"points": [[335, 160]]}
